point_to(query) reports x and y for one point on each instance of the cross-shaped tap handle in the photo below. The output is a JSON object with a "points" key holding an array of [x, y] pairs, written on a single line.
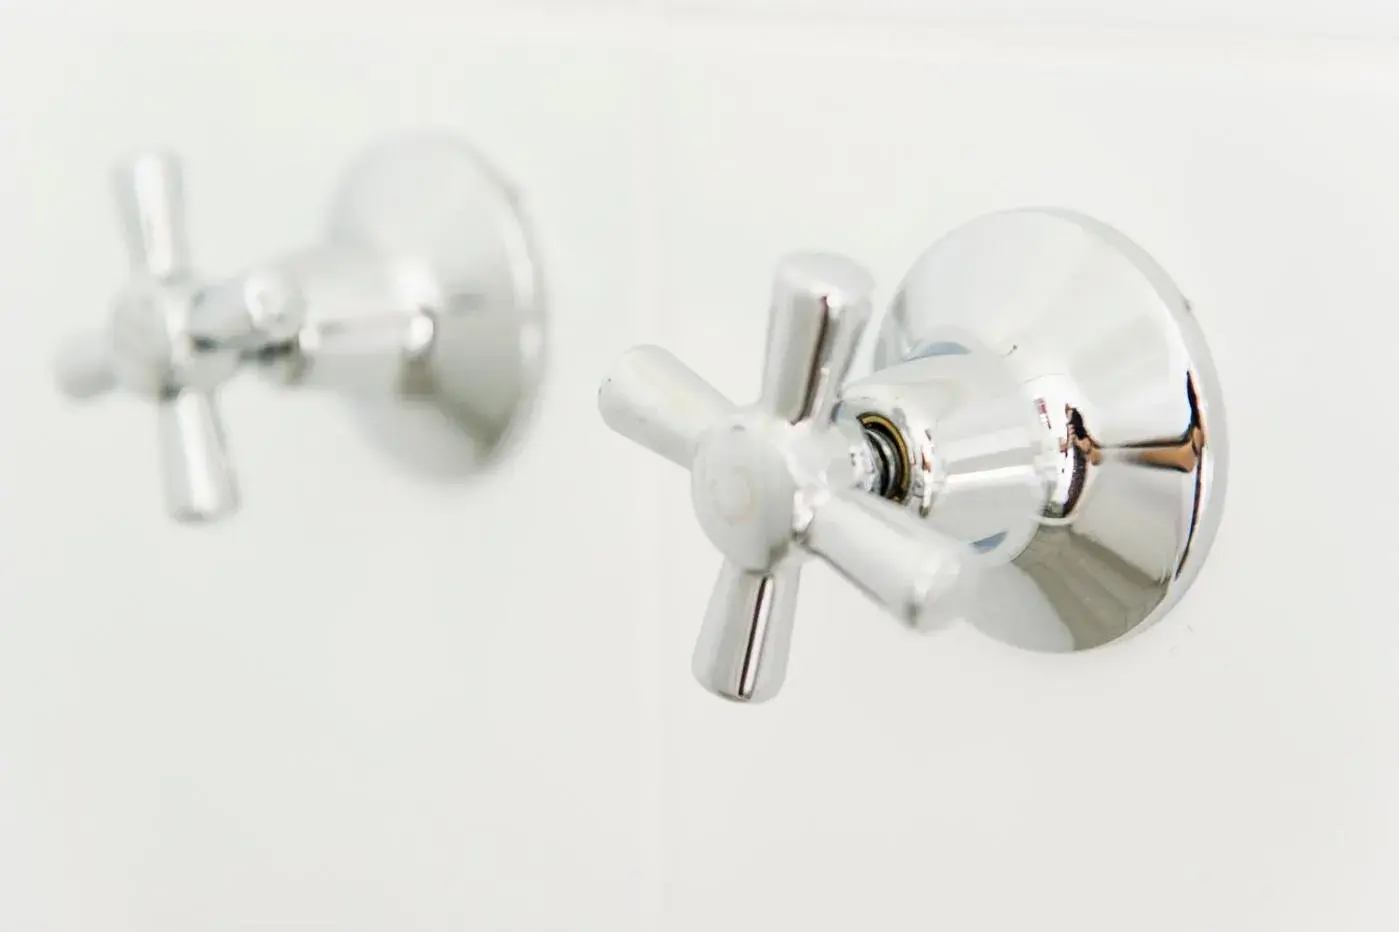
{"points": [[781, 479], [149, 347]]}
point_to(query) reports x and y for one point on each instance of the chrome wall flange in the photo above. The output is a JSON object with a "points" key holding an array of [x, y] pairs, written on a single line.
{"points": [[423, 303], [1041, 449]]}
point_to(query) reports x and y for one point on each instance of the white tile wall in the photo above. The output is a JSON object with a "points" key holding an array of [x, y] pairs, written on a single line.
{"points": [[1232, 769], [372, 704], [1308, 19], [365, 703]]}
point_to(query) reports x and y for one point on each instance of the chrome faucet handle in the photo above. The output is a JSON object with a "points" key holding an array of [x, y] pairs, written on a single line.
{"points": [[424, 293], [1040, 449], [151, 348], [781, 479]]}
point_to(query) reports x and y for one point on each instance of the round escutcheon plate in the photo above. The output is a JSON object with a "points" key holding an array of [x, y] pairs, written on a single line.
{"points": [[451, 228], [1062, 416]]}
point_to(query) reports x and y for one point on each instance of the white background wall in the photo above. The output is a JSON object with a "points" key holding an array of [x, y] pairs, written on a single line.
{"points": [[371, 704]]}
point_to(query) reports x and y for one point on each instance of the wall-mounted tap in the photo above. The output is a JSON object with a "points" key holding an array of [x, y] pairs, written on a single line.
{"points": [[425, 294], [1040, 448]]}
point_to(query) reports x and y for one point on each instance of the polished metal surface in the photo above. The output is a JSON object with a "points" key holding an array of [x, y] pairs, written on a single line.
{"points": [[780, 480], [1040, 450], [423, 304], [1064, 419]]}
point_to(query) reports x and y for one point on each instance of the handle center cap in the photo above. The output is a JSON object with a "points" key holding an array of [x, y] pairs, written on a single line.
{"points": [[743, 493]]}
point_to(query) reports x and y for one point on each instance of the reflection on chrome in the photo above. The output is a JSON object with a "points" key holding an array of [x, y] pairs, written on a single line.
{"points": [[1185, 453], [1081, 380]]}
